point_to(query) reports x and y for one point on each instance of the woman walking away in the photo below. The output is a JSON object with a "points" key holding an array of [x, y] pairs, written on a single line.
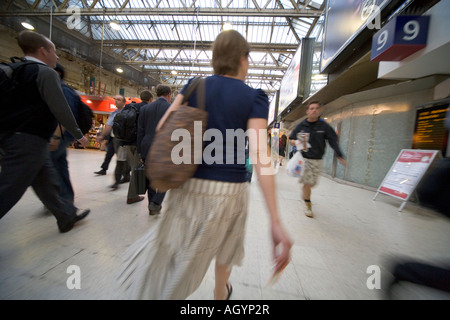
{"points": [[205, 218]]}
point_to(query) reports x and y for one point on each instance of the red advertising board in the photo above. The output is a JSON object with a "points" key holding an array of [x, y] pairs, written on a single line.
{"points": [[406, 172]]}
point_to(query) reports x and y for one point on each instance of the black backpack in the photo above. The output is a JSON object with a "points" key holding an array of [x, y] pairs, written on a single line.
{"points": [[11, 75], [125, 124], [10, 84]]}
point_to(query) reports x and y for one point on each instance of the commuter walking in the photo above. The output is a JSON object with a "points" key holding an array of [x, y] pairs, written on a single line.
{"points": [[122, 169], [282, 147], [58, 147], [432, 192], [131, 149], [39, 105], [149, 117], [108, 156], [309, 136], [205, 218]]}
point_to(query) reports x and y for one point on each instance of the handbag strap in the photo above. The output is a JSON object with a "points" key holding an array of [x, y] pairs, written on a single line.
{"points": [[200, 83]]}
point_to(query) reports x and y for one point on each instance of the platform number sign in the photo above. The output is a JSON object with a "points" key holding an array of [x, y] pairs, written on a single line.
{"points": [[399, 38]]}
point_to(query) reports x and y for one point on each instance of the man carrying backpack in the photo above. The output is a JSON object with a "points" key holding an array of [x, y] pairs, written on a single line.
{"points": [[122, 168], [39, 105], [125, 130]]}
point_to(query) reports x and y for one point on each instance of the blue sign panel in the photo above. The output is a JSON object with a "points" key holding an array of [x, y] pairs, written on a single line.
{"points": [[400, 38]]}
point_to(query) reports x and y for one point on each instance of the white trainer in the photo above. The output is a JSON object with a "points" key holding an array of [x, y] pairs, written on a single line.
{"points": [[308, 210]]}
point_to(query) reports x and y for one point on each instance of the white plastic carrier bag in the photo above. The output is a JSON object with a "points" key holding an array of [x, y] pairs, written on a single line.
{"points": [[295, 165]]}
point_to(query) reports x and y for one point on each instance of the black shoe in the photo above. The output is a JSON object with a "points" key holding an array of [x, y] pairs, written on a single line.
{"points": [[101, 172], [125, 180], [114, 186], [229, 289], [154, 209], [68, 226]]}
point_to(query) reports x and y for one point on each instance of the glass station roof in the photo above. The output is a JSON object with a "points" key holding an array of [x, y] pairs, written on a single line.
{"points": [[170, 40]]}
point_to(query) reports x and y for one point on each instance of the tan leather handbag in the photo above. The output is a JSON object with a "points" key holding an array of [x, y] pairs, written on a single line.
{"points": [[177, 148]]}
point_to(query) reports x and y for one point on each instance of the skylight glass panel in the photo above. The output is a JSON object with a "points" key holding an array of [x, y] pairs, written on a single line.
{"points": [[236, 4], [196, 29], [287, 4], [106, 4], [135, 4], [316, 3], [165, 4]]}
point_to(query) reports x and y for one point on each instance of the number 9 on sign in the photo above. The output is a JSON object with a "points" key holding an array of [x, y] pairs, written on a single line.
{"points": [[382, 39], [411, 29]]}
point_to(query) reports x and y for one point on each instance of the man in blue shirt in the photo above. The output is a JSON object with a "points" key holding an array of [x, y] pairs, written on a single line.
{"points": [[122, 167]]}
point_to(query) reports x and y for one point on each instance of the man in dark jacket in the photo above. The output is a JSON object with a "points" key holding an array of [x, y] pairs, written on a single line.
{"points": [[309, 136], [131, 149], [58, 148], [27, 160], [149, 117]]}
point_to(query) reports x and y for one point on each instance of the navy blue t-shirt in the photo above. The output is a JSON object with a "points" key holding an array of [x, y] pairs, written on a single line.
{"points": [[230, 103], [73, 99]]}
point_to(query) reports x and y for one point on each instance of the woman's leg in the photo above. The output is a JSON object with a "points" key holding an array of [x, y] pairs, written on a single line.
{"points": [[222, 276]]}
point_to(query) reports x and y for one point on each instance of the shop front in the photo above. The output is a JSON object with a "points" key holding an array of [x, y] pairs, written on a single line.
{"points": [[102, 107]]}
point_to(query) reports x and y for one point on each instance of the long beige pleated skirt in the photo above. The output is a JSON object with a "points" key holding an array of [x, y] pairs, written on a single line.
{"points": [[202, 220]]}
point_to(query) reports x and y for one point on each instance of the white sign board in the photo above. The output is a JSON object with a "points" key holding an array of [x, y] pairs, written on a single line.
{"points": [[290, 82], [272, 108], [405, 174]]}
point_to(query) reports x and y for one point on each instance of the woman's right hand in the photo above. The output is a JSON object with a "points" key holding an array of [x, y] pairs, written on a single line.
{"points": [[281, 247]]}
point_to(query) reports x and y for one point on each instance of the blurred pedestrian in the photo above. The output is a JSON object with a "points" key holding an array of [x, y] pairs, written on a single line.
{"points": [[205, 218], [110, 151], [58, 148], [131, 149], [432, 192], [282, 147], [434, 189], [122, 170], [310, 136], [149, 117], [26, 161]]}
